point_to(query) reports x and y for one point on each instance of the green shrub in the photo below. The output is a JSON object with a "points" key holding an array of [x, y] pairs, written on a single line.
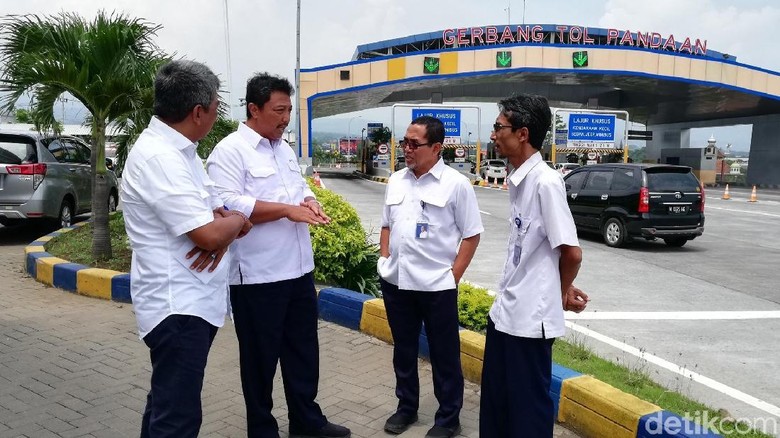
{"points": [[473, 306], [343, 254]]}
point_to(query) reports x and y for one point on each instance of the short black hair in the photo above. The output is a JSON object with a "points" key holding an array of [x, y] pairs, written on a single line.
{"points": [[180, 86], [434, 128], [260, 86], [529, 111]]}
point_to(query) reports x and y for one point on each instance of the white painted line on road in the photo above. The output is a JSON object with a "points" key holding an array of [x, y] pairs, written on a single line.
{"points": [[680, 316], [679, 369], [484, 212], [743, 211]]}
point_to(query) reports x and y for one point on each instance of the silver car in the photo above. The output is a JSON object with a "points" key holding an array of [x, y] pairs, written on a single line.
{"points": [[46, 177], [493, 169]]}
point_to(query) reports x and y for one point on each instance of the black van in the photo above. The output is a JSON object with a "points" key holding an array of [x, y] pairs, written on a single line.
{"points": [[627, 201]]}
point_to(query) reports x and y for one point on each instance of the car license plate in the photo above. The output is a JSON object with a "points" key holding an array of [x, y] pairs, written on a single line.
{"points": [[678, 209]]}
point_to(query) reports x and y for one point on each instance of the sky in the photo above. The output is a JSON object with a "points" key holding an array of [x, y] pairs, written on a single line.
{"points": [[262, 33]]}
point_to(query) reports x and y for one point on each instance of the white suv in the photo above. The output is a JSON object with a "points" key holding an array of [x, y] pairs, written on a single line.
{"points": [[492, 169]]}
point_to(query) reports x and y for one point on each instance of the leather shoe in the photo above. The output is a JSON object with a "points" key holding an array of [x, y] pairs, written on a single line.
{"points": [[442, 432], [329, 430], [398, 422]]}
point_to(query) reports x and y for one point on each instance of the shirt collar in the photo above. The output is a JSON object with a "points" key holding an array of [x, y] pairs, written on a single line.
{"points": [[434, 171], [519, 174], [174, 137], [253, 137]]}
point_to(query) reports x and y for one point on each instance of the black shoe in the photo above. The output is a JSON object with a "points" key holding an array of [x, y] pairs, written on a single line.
{"points": [[329, 430], [443, 432], [398, 422]]}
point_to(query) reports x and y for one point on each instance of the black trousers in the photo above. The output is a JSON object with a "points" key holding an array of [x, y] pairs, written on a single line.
{"points": [[516, 375], [406, 312], [178, 347], [277, 322]]}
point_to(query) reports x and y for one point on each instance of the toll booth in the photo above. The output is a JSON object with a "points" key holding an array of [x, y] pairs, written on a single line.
{"points": [[702, 160]]}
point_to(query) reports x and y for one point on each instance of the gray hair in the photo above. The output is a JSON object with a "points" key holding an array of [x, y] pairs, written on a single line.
{"points": [[180, 86]]}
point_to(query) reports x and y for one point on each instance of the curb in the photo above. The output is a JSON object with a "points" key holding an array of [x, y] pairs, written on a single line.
{"points": [[582, 403]]}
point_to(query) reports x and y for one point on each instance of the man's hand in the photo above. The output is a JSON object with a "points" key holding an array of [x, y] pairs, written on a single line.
{"points": [[316, 208], [302, 213], [575, 300], [205, 258]]}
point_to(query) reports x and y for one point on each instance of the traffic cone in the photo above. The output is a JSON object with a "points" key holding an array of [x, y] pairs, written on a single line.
{"points": [[317, 180], [753, 197], [504, 186], [484, 182], [495, 183], [726, 194]]}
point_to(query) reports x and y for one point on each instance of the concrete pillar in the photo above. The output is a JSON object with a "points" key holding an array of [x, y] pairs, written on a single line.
{"points": [[764, 165]]}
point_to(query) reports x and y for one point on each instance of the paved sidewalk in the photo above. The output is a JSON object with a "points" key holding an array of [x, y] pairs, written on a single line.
{"points": [[72, 366]]}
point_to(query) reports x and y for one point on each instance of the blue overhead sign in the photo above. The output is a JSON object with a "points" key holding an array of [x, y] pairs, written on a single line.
{"points": [[592, 128], [450, 118]]}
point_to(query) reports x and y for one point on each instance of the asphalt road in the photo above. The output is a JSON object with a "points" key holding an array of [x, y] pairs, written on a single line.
{"points": [[685, 316]]}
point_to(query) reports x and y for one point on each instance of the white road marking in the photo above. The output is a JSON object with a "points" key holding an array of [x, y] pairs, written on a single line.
{"points": [[680, 316], [742, 211], [679, 369], [484, 212]]}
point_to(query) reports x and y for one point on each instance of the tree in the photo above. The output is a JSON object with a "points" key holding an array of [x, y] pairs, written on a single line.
{"points": [[22, 115], [381, 135], [108, 64], [222, 128]]}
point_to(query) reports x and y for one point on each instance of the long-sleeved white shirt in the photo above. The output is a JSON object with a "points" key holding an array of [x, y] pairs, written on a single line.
{"points": [[246, 168]]}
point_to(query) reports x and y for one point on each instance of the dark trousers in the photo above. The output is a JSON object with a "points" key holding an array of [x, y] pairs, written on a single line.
{"points": [[178, 347], [406, 312], [277, 322], [516, 375]]}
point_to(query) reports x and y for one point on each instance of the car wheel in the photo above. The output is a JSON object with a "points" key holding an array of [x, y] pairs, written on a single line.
{"points": [[65, 218], [614, 233], [112, 202], [675, 242]]}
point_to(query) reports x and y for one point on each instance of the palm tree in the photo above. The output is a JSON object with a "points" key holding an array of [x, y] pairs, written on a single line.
{"points": [[108, 64]]}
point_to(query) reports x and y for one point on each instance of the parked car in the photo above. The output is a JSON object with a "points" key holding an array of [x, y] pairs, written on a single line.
{"points": [[565, 168], [492, 169], [46, 177], [628, 201]]}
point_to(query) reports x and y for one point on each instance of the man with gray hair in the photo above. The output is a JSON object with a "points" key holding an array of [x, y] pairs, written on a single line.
{"points": [[179, 233]]}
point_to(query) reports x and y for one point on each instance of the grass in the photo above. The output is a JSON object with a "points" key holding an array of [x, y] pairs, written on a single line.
{"points": [[76, 246]]}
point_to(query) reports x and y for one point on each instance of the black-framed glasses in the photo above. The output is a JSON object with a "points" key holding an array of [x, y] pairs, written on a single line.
{"points": [[497, 126], [412, 144]]}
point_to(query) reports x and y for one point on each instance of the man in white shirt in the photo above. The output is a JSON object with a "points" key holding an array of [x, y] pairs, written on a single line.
{"points": [[170, 215], [537, 283], [430, 231], [271, 284]]}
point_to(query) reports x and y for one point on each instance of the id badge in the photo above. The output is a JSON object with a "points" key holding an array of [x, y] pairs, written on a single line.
{"points": [[518, 250], [421, 230], [517, 253]]}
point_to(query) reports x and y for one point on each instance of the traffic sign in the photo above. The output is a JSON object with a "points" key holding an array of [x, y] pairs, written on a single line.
{"points": [[460, 152], [450, 118], [579, 59], [503, 59], [431, 65], [596, 128], [382, 148]]}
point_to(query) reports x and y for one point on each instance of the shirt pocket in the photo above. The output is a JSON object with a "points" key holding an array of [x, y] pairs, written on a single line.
{"points": [[262, 182], [294, 167], [436, 213], [393, 203]]}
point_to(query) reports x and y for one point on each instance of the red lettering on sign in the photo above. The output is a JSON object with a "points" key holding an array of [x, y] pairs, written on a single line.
{"points": [[701, 48], [561, 30], [670, 44], [476, 35], [655, 40], [642, 39], [491, 34], [447, 37], [586, 39], [523, 34], [686, 46], [612, 34], [536, 34], [462, 39], [627, 39], [575, 34], [506, 36]]}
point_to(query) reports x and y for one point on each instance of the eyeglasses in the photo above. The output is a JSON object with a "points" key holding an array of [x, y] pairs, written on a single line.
{"points": [[497, 126], [412, 144]]}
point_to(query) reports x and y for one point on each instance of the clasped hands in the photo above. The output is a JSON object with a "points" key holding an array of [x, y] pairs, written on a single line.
{"points": [[309, 211]]}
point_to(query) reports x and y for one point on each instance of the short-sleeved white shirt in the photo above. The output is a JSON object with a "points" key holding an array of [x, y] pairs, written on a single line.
{"points": [[165, 194], [443, 199], [246, 168], [528, 303]]}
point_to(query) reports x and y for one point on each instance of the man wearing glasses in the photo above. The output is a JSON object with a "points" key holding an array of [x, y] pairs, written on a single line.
{"points": [[537, 285], [430, 231]]}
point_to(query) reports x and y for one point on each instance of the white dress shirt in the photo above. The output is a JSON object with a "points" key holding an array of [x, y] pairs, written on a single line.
{"points": [[165, 194], [247, 167], [529, 302], [443, 199]]}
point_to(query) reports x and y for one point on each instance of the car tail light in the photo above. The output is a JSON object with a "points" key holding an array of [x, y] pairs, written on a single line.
{"points": [[37, 170], [702, 199], [644, 200]]}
